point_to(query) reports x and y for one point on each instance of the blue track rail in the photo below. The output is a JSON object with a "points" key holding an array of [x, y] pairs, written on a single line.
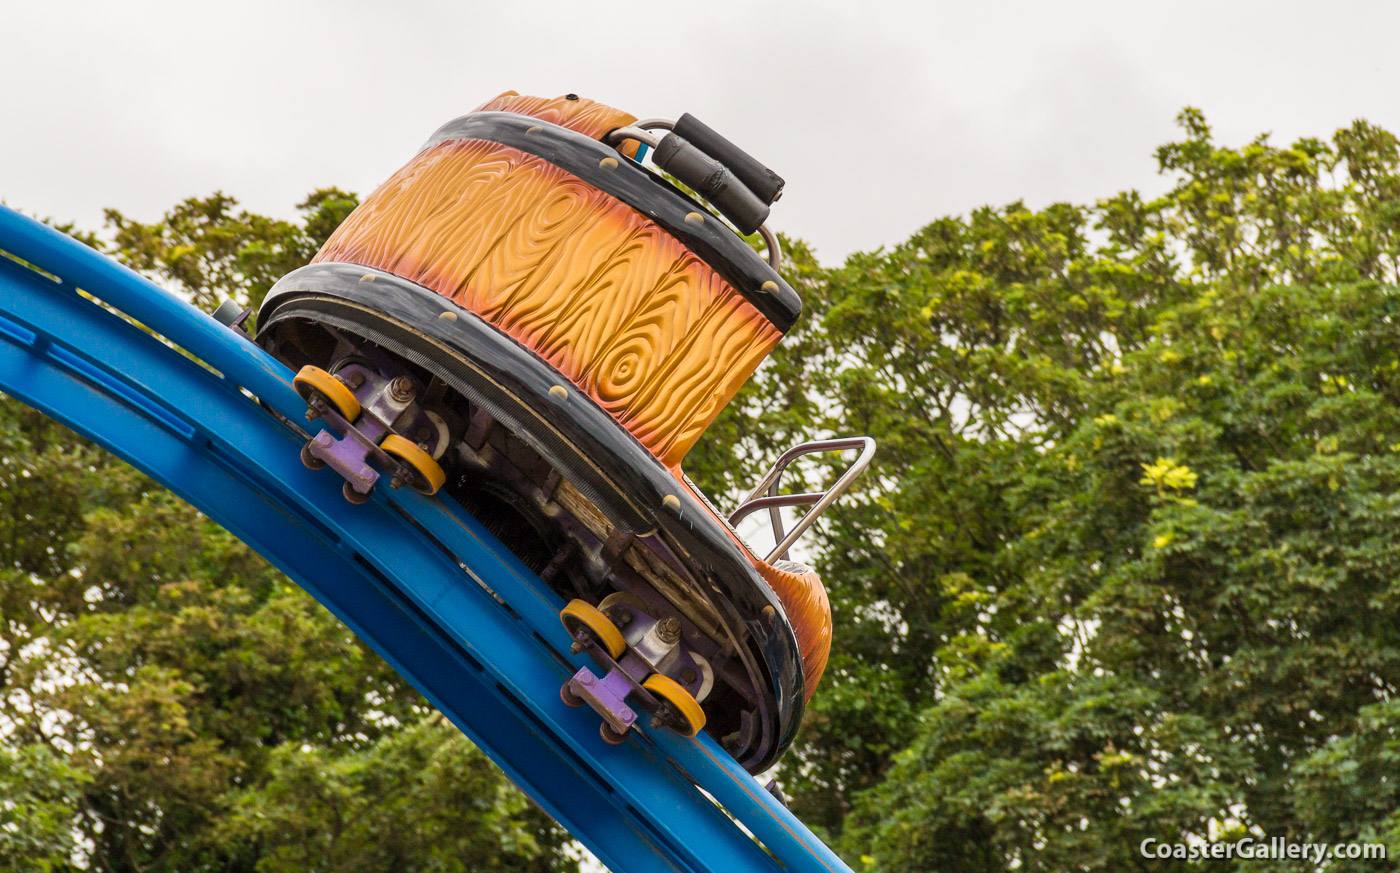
{"points": [[417, 578]]}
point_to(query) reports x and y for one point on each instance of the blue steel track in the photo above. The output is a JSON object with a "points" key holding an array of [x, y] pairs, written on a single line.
{"points": [[424, 584]]}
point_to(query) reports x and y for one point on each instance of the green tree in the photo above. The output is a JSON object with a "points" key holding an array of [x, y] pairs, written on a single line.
{"points": [[421, 799], [1128, 566], [39, 796], [208, 248], [1124, 569], [169, 701]]}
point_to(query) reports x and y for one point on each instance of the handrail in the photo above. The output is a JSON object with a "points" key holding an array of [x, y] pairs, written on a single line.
{"points": [[806, 498], [820, 501]]}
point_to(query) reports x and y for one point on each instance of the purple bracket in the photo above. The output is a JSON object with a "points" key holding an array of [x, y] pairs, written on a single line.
{"points": [[349, 455], [607, 696]]}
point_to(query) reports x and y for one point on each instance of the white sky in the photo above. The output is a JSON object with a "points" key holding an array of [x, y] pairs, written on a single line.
{"points": [[881, 116]]}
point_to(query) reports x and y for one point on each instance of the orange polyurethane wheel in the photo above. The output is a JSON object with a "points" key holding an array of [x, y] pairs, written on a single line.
{"points": [[311, 379], [600, 627], [682, 701], [429, 474]]}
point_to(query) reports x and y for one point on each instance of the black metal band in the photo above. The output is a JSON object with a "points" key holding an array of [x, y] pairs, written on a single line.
{"points": [[645, 192]]}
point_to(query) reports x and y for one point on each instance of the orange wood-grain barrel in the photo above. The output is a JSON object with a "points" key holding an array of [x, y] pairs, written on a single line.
{"points": [[611, 300]]}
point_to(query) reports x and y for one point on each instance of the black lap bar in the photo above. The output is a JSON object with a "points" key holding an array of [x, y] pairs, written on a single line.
{"points": [[713, 181], [763, 182]]}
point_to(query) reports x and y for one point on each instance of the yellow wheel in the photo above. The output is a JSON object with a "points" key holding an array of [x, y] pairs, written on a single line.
{"points": [[428, 475], [679, 701], [313, 380], [579, 614]]}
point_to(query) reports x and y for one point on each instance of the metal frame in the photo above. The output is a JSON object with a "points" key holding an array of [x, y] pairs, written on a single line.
{"points": [[420, 580], [818, 500]]}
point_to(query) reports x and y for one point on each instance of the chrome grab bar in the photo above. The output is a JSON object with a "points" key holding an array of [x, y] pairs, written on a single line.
{"points": [[632, 131], [818, 500]]}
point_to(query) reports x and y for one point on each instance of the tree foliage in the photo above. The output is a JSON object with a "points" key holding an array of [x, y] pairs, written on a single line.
{"points": [[1128, 565], [209, 249], [170, 702]]}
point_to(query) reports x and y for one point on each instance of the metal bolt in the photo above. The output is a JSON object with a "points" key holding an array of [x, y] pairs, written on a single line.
{"points": [[355, 379], [576, 648], [312, 414], [688, 675], [365, 474], [586, 679], [668, 630], [619, 617], [657, 722], [401, 389], [396, 482], [424, 433]]}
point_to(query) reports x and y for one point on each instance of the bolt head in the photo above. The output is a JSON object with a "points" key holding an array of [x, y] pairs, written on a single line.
{"points": [[669, 629]]}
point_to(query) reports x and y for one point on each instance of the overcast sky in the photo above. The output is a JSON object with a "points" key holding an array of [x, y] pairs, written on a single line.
{"points": [[881, 116]]}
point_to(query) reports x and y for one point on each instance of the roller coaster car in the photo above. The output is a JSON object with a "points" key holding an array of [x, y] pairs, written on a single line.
{"points": [[527, 318]]}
